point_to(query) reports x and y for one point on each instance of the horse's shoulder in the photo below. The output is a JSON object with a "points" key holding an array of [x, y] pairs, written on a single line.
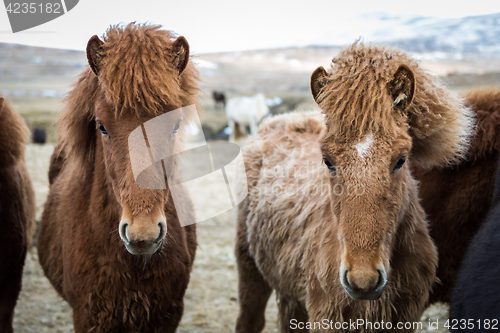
{"points": [[485, 102]]}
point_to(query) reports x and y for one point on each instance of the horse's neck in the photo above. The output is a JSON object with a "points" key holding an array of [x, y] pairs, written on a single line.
{"points": [[413, 216]]}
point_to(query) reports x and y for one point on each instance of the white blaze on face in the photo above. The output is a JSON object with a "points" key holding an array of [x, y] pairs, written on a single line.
{"points": [[364, 146]]}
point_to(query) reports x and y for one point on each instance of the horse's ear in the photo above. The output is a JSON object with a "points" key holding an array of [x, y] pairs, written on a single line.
{"points": [[319, 78], [1, 103], [181, 51], [402, 87], [94, 53]]}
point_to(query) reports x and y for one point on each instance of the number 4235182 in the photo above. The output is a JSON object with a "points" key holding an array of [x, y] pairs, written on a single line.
{"points": [[25, 7]]}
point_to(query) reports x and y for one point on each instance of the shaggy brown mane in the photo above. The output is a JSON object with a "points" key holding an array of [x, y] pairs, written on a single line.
{"points": [[355, 100], [486, 102], [76, 124], [136, 74], [13, 135], [138, 70]]}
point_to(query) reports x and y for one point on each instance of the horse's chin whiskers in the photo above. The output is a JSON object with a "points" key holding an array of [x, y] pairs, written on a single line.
{"points": [[163, 254], [171, 237], [145, 263], [342, 300]]}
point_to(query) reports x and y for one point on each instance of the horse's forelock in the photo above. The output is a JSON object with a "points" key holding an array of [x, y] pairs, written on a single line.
{"points": [[356, 101], [139, 70], [137, 75], [355, 97]]}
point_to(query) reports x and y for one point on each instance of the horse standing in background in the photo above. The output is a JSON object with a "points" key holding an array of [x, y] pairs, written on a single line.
{"points": [[219, 99], [457, 199], [243, 112], [17, 211], [39, 135], [114, 251], [476, 291]]}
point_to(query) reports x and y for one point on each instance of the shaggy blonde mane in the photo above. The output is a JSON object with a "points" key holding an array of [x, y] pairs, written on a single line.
{"points": [[356, 100]]}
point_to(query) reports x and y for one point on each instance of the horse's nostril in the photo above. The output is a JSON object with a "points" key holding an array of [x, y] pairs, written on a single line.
{"points": [[380, 281], [160, 236], [346, 280], [124, 233]]}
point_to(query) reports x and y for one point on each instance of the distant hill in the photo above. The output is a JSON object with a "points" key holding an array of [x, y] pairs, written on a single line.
{"points": [[447, 38], [29, 62], [469, 45]]}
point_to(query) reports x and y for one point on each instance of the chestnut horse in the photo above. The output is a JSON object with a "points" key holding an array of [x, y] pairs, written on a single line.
{"points": [[347, 240], [17, 211], [104, 242], [457, 199]]}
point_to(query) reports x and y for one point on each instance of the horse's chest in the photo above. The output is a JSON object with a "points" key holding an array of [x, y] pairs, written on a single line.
{"points": [[115, 297]]}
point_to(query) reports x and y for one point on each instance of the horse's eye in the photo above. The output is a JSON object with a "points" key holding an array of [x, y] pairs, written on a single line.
{"points": [[400, 163], [328, 164], [101, 128], [176, 127]]}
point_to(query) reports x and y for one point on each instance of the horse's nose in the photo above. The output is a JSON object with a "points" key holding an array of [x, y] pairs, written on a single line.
{"points": [[143, 236], [364, 284]]}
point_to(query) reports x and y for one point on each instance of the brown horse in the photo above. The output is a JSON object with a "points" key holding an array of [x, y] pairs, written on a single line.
{"points": [[17, 211], [104, 243], [347, 240], [457, 199]]}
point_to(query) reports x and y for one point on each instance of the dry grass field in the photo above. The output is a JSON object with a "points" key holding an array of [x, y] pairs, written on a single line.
{"points": [[35, 80]]}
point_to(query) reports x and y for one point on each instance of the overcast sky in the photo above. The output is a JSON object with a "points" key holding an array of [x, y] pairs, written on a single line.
{"points": [[226, 25]]}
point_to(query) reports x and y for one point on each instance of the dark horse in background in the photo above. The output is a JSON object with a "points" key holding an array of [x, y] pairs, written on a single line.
{"points": [[476, 295], [17, 211], [116, 252], [457, 199], [39, 135], [219, 99]]}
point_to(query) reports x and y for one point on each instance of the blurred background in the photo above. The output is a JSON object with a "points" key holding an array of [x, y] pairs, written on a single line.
{"points": [[240, 49]]}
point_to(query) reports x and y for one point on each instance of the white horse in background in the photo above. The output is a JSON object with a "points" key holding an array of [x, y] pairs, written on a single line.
{"points": [[245, 111]]}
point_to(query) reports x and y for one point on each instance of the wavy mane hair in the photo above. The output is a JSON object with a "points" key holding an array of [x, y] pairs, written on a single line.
{"points": [[136, 73], [356, 99]]}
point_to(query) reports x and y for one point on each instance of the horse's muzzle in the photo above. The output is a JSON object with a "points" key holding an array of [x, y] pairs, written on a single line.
{"points": [[143, 239], [371, 291]]}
